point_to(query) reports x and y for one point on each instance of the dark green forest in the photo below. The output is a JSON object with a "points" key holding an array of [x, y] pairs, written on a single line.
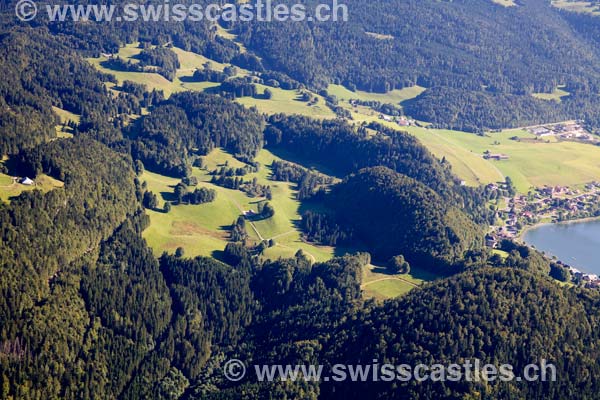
{"points": [[412, 219], [88, 311]]}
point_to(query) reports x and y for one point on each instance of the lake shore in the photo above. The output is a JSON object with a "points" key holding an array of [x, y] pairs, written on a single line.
{"points": [[570, 242], [524, 231]]}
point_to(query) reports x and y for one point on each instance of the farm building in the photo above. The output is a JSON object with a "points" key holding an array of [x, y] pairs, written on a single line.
{"points": [[491, 156]]}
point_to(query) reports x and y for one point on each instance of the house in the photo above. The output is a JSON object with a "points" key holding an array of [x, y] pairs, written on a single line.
{"points": [[491, 241], [498, 157], [27, 182], [403, 122], [542, 132]]}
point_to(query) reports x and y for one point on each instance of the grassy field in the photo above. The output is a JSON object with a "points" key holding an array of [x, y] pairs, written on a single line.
{"points": [[283, 101], [379, 284], [287, 102], [226, 34], [65, 117], [393, 97], [189, 62], [379, 36], [10, 187], [203, 229], [505, 3], [557, 95], [532, 163], [586, 7]]}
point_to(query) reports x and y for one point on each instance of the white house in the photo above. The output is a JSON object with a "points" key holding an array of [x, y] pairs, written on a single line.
{"points": [[26, 181]]}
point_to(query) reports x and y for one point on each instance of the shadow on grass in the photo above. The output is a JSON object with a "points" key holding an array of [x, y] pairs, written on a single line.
{"points": [[189, 79]]}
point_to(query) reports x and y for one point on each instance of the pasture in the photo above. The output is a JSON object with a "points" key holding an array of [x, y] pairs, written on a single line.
{"points": [[10, 187], [63, 131], [394, 97], [586, 7], [283, 101], [532, 163], [379, 284], [204, 229], [287, 102], [557, 95]]}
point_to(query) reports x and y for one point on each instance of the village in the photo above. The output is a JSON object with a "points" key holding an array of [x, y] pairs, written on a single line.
{"points": [[548, 204]]}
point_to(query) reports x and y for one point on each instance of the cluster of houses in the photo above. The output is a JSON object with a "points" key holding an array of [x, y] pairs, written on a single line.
{"points": [[566, 131], [545, 203], [402, 121], [551, 203], [591, 281]]}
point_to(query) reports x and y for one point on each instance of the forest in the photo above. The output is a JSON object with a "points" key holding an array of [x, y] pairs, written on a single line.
{"points": [[481, 74], [89, 311], [189, 124], [412, 220]]}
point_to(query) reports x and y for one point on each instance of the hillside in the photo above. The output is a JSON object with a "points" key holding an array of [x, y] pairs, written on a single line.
{"points": [[396, 215], [464, 52], [491, 315]]}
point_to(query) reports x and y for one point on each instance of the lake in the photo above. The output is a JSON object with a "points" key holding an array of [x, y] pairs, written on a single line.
{"points": [[576, 244]]}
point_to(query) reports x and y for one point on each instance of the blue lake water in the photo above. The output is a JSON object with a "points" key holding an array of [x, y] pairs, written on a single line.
{"points": [[575, 244]]}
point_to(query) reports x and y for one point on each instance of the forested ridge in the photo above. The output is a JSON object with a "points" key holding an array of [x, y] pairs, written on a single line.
{"points": [[89, 311], [412, 220]]}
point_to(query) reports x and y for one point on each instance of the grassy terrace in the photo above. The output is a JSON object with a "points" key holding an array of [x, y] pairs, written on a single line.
{"points": [[189, 61], [586, 7], [379, 284], [557, 95], [10, 187], [65, 117], [393, 97], [287, 102]]}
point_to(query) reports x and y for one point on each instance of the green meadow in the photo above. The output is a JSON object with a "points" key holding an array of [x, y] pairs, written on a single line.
{"points": [[203, 229], [505, 3], [10, 187], [189, 61], [379, 284], [283, 101], [557, 95], [532, 163], [586, 7], [65, 117], [288, 102], [393, 97]]}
